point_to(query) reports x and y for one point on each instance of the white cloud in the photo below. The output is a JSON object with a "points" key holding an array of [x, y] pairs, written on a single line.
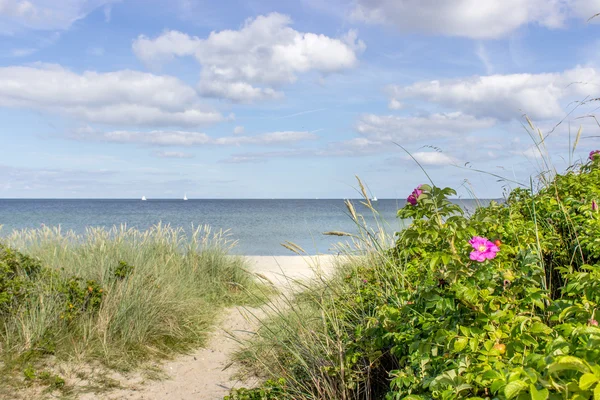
{"points": [[541, 96], [45, 14], [238, 130], [481, 19], [186, 138], [251, 63], [173, 154], [122, 97], [394, 104], [434, 158], [388, 128]]}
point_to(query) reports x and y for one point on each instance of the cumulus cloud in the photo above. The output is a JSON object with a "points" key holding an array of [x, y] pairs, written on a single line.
{"points": [[45, 15], [122, 97], [481, 19], [252, 63], [186, 138], [388, 128], [238, 130], [541, 96]]}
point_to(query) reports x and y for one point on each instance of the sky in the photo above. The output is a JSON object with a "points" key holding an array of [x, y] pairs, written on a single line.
{"points": [[292, 98]]}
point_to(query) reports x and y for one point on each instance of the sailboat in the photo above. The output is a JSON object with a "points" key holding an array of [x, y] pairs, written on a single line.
{"points": [[374, 198], [185, 197], [143, 198]]}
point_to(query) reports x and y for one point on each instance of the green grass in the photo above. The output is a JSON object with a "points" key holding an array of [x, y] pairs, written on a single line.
{"points": [[157, 293]]}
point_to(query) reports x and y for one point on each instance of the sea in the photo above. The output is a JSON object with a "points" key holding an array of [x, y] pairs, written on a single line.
{"points": [[259, 226]]}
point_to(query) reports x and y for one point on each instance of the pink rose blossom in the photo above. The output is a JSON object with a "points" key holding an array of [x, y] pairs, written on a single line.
{"points": [[593, 153], [483, 249], [412, 199], [593, 322]]}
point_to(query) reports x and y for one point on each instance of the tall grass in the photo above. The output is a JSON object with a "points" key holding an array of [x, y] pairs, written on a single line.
{"points": [[165, 304], [304, 341]]}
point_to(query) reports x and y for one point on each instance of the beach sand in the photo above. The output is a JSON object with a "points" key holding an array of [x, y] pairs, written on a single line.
{"points": [[208, 373]]}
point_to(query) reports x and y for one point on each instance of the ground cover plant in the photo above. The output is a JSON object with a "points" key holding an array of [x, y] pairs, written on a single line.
{"points": [[116, 297], [500, 304]]}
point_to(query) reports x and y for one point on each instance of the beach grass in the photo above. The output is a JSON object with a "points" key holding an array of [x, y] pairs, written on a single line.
{"points": [[117, 296]]}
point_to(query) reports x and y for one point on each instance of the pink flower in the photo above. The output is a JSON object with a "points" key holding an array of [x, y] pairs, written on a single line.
{"points": [[412, 199], [593, 153], [594, 205], [592, 322], [483, 249]]}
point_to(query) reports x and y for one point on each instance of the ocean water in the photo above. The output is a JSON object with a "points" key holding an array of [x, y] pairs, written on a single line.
{"points": [[259, 226]]}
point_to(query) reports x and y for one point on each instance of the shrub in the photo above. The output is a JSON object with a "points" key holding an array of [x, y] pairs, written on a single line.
{"points": [[501, 304], [16, 273]]}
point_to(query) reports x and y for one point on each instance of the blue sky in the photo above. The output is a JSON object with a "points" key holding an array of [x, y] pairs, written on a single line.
{"points": [[289, 99]]}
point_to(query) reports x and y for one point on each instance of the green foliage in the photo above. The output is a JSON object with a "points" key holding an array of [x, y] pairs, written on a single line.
{"points": [[123, 270], [79, 297], [271, 390], [16, 272], [430, 323]]}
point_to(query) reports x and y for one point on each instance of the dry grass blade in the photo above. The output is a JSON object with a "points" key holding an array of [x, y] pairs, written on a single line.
{"points": [[577, 138], [351, 210], [363, 191], [530, 123], [294, 247], [338, 233]]}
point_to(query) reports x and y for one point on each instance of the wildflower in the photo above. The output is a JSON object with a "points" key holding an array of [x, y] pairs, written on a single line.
{"points": [[414, 196], [593, 322], [365, 281], [90, 289], [497, 242], [483, 249], [594, 205], [593, 153]]}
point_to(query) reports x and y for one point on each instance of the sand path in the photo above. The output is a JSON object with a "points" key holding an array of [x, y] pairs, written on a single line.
{"points": [[207, 374]]}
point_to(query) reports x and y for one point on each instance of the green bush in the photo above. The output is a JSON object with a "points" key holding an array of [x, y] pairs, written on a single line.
{"points": [[431, 321], [16, 273]]}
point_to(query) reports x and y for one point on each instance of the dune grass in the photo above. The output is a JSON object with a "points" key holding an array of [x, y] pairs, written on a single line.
{"points": [[117, 296]]}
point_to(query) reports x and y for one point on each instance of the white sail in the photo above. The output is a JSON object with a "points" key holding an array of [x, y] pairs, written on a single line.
{"points": [[185, 197], [374, 198], [143, 198]]}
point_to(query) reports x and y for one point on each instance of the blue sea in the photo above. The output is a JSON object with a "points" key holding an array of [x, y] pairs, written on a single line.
{"points": [[259, 226]]}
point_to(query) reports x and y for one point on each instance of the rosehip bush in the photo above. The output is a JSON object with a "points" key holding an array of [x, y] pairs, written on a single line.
{"points": [[502, 304]]}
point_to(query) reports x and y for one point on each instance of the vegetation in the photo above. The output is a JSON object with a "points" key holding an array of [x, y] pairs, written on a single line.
{"points": [[501, 304], [117, 297]]}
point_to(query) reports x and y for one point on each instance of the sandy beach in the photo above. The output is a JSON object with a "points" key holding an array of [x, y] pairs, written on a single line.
{"points": [[208, 373]]}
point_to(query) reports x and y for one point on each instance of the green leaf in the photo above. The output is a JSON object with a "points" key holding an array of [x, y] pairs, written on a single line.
{"points": [[539, 327], [538, 394], [514, 388], [568, 363], [587, 380], [460, 344], [597, 393]]}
